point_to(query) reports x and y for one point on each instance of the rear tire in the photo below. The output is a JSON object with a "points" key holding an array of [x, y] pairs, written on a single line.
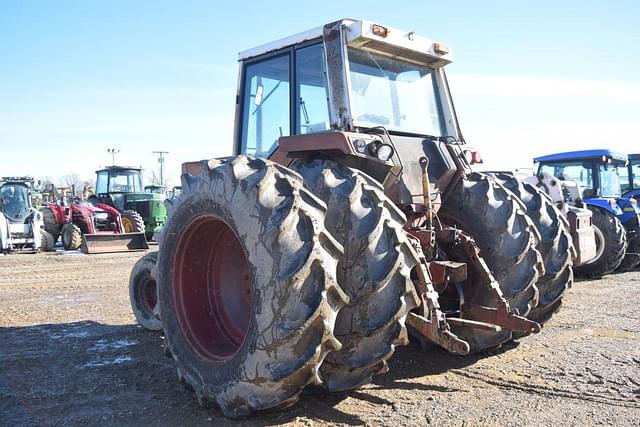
{"points": [[374, 271], [47, 241], [71, 237], [143, 292], [50, 224], [132, 222], [555, 245], [256, 344], [506, 236], [611, 234]]}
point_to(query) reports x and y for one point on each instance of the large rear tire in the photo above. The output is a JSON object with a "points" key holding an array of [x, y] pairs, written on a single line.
{"points": [[611, 242], [247, 285], [374, 271], [555, 245], [71, 237], [143, 292], [507, 238], [50, 224]]}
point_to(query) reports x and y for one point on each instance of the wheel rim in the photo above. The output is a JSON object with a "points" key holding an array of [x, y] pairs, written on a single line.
{"points": [[212, 292], [147, 295], [127, 224], [599, 244]]}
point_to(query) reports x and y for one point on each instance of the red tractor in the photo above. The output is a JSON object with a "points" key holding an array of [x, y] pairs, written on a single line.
{"points": [[92, 228]]}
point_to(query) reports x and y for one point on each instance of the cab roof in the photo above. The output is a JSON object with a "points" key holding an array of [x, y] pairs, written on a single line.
{"points": [[119, 168], [634, 156], [579, 155], [360, 33]]}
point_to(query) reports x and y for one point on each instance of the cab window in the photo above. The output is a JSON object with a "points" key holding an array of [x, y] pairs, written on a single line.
{"points": [[266, 115]]}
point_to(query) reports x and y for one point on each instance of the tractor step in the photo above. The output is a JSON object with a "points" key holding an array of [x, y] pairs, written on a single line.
{"points": [[116, 242]]}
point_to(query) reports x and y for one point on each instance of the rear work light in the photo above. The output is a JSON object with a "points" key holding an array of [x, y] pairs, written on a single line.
{"points": [[473, 157]]}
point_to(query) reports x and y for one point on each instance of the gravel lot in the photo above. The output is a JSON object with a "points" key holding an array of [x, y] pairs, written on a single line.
{"points": [[71, 354]]}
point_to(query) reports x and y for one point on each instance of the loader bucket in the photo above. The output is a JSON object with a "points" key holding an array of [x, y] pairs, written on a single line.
{"points": [[105, 243]]}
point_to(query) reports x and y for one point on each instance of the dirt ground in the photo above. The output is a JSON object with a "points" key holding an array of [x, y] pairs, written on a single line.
{"points": [[72, 354]]}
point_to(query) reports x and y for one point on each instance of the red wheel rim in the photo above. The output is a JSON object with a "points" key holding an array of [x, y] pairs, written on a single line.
{"points": [[148, 294], [212, 289]]}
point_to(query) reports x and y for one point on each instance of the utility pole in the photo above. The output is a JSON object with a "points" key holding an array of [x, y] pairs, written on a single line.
{"points": [[113, 152], [161, 161]]}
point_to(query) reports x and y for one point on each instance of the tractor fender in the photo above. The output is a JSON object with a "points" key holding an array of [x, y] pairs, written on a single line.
{"points": [[58, 213], [603, 203], [630, 212], [635, 194]]}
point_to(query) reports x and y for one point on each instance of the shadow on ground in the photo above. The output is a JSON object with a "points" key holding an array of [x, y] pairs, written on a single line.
{"points": [[91, 373]]}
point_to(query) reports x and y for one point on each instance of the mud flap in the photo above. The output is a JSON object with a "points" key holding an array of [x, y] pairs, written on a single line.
{"points": [[106, 243]]}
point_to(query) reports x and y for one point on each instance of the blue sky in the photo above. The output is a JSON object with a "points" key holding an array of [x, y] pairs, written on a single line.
{"points": [[78, 77]]}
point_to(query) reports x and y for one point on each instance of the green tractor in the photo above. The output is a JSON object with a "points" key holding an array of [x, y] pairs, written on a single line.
{"points": [[121, 187]]}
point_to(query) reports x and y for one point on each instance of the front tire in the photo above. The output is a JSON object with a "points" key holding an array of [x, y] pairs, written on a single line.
{"points": [[611, 242], [71, 237], [50, 224], [143, 292], [132, 222], [247, 285]]}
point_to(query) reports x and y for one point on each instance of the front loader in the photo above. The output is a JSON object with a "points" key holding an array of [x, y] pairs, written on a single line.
{"points": [[348, 219]]}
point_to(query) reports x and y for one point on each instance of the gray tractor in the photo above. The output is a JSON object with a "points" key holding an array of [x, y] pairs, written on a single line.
{"points": [[21, 225], [348, 219]]}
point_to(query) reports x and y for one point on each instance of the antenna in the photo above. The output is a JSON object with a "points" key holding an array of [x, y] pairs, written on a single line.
{"points": [[161, 161], [113, 152]]}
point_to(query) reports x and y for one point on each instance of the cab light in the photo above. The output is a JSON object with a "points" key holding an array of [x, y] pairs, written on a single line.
{"points": [[379, 30], [440, 48]]}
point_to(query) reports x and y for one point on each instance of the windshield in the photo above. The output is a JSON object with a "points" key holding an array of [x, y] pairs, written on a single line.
{"points": [[122, 181], [14, 201], [395, 94], [583, 174], [610, 181]]}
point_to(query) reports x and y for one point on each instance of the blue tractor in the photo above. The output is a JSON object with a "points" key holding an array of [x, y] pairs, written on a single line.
{"points": [[615, 218]]}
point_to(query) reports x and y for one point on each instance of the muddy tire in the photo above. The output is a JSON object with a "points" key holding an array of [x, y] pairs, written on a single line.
{"points": [[507, 238], [143, 292], [50, 224], [47, 242], [611, 242], [555, 246], [247, 285], [631, 260], [71, 237], [132, 222], [374, 271]]}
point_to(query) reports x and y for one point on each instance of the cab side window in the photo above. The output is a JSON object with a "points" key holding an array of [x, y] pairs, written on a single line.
{"points": [[266, 105], [311, 90]]}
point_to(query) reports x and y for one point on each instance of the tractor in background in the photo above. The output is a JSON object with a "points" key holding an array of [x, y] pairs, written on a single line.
{"points": [[92, 228], [21, 225], [615, 218], [121, 187]]}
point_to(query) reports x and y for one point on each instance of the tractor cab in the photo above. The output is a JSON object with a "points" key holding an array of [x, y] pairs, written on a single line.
{"points": [[155, 189], [15, 199], [630, 178], [375, 95], [121, 187], [599, 173]]}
